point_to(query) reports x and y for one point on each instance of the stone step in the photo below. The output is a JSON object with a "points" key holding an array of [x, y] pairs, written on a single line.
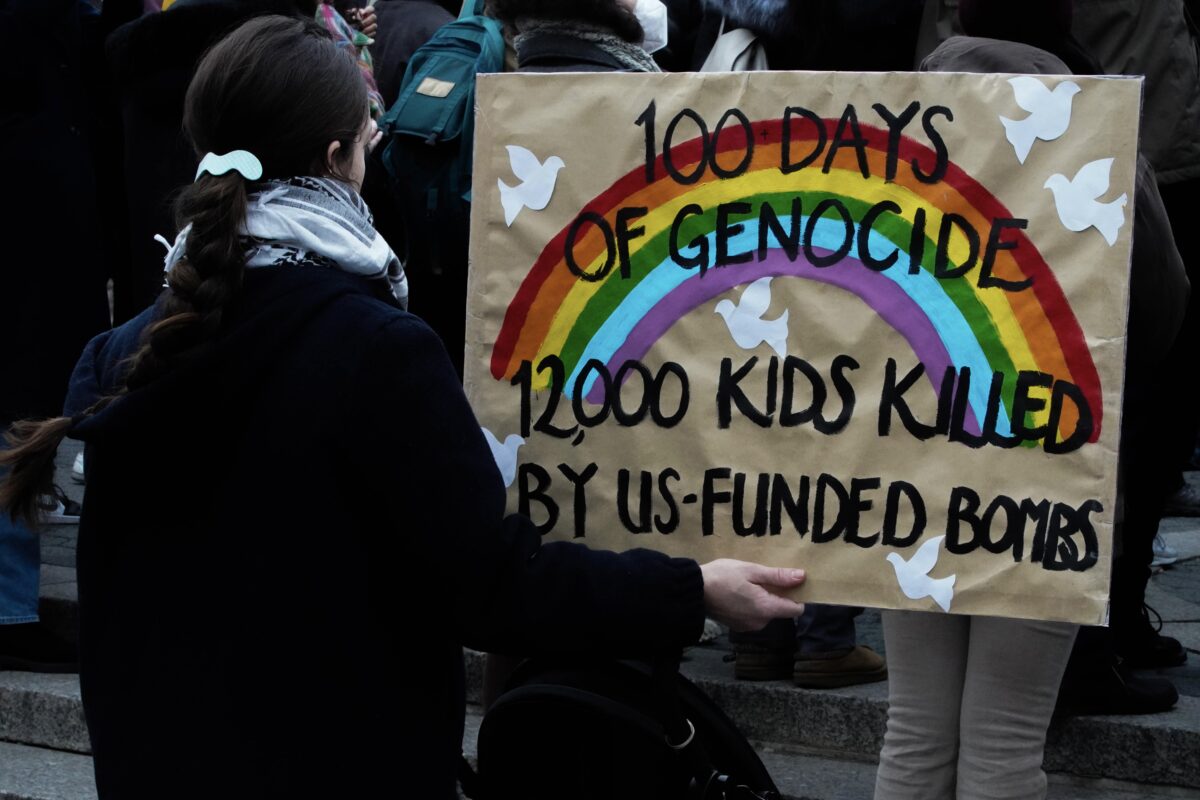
{"points": [[45, 711], [803, 774], [35, 773]]}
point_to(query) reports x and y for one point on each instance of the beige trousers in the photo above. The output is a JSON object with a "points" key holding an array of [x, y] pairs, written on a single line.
{"points": [[969, 701]]}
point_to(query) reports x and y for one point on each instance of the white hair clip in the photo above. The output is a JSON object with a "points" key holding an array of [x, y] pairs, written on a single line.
{"points": [[241, 161]]}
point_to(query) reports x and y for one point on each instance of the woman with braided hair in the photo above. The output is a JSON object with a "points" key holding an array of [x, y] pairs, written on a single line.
{"points": [[232, 647]]}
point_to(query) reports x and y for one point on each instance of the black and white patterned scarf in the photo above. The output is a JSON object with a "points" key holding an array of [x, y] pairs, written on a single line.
{"points": [[309, 220]]}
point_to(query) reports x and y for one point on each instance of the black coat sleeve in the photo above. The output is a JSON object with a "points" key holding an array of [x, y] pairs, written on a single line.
{"points": [[487, 573]]}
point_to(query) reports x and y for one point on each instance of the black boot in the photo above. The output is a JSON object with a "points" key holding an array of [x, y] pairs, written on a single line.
{"points": [[1141, 646], [1111, 687]]}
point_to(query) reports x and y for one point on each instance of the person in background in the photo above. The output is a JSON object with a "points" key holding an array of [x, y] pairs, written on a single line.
{"points": [[52, 282], [1044, 24], [970, 698], [404, 25], [856, 35], [1162, 42], [818, 650], [591, 36], [290, 635], [354, 39], [1098, 679]]}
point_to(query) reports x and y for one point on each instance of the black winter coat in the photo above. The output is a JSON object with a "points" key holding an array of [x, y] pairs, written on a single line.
{"points": [[287, 540], [404, 25], [52, 279]]}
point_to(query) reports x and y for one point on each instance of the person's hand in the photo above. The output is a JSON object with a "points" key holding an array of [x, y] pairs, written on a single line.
{"points": [[741, 594], [364, 20], [374, 137]]}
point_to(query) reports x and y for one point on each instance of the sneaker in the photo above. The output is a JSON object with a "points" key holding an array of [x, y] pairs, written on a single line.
{"points": [[712, 631], [77, 469], [1164, 554], [58, 509], [1115, 689], [1141, 644], [754, 662], [849, 667], [30, 647], [1184, 503]]}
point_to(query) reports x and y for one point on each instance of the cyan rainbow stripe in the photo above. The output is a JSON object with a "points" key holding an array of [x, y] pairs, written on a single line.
{"points": [[945, 321]]}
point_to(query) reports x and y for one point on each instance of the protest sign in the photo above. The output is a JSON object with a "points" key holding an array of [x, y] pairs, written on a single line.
{"points": [[868, 324]]}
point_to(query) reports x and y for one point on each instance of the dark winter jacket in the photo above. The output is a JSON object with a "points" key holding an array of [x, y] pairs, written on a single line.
{"points": [[98, 372], [1160, 40], [554, 52], [287, 540], [1044, 24], [404, 25], [52, 276]]}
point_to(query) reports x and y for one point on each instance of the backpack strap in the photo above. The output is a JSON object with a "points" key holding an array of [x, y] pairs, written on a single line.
{"points": [[472, 8], [708, 783]]}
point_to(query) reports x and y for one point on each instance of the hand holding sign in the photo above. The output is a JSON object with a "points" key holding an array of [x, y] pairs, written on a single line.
{"points": [[743, 595]]}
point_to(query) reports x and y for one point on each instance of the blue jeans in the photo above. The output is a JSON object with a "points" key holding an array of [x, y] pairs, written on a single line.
{"points": [[20, 567]]}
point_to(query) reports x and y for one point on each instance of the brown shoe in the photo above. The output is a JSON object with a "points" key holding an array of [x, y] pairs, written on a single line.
{"points": [[757, 663], [859, 664]]}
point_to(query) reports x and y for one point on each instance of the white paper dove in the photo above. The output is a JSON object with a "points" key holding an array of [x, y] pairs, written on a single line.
{"points": [[913, 575], [536, 186], [745, 322], [1077, 200], [505, 453], [1049, 113]]}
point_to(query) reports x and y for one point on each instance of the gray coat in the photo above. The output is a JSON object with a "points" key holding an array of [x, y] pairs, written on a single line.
{"points": [[1154, 38]]}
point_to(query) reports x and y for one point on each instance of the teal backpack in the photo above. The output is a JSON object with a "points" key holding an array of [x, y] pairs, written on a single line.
{"points": [[429, 135], [430, 129]]}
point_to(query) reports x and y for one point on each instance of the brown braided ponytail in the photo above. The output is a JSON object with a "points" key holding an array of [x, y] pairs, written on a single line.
{"points": [[277, 87], [203, 283]]}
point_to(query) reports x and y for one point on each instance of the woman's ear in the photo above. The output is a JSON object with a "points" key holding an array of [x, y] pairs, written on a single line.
{"points": [[332, 156]]}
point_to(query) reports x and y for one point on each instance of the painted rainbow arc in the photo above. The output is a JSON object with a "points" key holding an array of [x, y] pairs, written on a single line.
{"points": [[947, 322]]}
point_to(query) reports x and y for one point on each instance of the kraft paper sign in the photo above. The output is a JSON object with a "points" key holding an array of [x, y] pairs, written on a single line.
{"points": [[871, 325]]}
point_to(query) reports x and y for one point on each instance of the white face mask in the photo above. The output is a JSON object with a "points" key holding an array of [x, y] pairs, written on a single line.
{"points": [[652, 14]]}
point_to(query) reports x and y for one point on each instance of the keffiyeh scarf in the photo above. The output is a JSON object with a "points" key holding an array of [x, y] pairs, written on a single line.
{"points": [[310, 220]]}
